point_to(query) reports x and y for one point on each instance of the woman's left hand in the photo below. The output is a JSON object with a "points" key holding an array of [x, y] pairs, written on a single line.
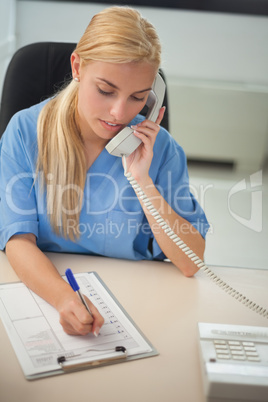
{"points": [[139, 162]]}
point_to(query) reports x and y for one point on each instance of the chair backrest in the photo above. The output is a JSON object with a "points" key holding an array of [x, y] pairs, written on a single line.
{"points": [[36, 72]]}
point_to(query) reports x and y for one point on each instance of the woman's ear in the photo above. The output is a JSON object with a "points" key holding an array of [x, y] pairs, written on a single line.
{"points": [[75, 63]]}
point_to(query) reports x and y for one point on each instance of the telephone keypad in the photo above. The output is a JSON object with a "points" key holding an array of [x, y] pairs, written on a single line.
{"points": [[236, 350]]}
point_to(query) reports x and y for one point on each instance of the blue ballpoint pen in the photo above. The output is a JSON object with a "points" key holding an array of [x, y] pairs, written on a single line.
{"points": [[75, 287]]}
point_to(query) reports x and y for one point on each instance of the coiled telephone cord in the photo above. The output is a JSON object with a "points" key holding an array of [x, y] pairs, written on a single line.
{"points": [[183, 246]]}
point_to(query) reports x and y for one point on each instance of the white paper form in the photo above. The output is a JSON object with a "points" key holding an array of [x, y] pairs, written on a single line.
{"points": [[38, 338]]}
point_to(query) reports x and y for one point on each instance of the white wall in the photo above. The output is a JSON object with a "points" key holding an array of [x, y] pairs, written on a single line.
{"points": [[7, 34], [196, 45]]}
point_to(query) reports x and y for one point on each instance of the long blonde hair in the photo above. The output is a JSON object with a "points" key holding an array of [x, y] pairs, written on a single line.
{"points": [[116, 35]]}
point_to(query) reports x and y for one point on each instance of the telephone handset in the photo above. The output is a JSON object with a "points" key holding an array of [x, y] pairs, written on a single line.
{"points": [[125, 142]]}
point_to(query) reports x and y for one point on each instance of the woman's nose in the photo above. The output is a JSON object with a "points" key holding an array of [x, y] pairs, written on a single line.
{"points": [[118, 110]]}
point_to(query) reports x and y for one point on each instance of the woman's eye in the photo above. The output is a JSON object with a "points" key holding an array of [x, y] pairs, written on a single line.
{"points": [[107, 93], [138, 99], [104, 92]]}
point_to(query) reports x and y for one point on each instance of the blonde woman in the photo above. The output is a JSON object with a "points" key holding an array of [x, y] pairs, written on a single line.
{"points": [[62, 191]]}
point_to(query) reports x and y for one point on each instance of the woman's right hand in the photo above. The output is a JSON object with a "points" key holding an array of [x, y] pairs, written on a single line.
{"points": [[76, 320], [24, 256]]}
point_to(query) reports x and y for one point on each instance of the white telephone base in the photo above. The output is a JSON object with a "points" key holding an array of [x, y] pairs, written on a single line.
{"points": [[234, 362], [124, 143]]}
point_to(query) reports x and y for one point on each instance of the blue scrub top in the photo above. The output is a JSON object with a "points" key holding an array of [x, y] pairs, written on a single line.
{"points": [[112, 222]]}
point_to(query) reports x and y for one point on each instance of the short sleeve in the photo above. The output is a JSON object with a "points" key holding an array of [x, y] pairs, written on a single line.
{"points": [[18, 149]]}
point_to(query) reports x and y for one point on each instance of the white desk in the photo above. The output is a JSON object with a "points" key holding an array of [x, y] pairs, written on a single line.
{"points": [[166, 306]]}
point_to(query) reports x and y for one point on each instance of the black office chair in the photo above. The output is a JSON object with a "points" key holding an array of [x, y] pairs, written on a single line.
{"points": [[36, 72]]}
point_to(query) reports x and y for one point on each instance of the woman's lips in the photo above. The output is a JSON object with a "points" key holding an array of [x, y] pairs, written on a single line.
{"points": [[111, 126]]}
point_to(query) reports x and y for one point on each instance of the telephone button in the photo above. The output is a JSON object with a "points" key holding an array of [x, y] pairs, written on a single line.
{"points": [[223, 356]]}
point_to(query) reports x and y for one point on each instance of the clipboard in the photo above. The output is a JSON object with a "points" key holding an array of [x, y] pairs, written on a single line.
{"points": [[42, 347]]}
